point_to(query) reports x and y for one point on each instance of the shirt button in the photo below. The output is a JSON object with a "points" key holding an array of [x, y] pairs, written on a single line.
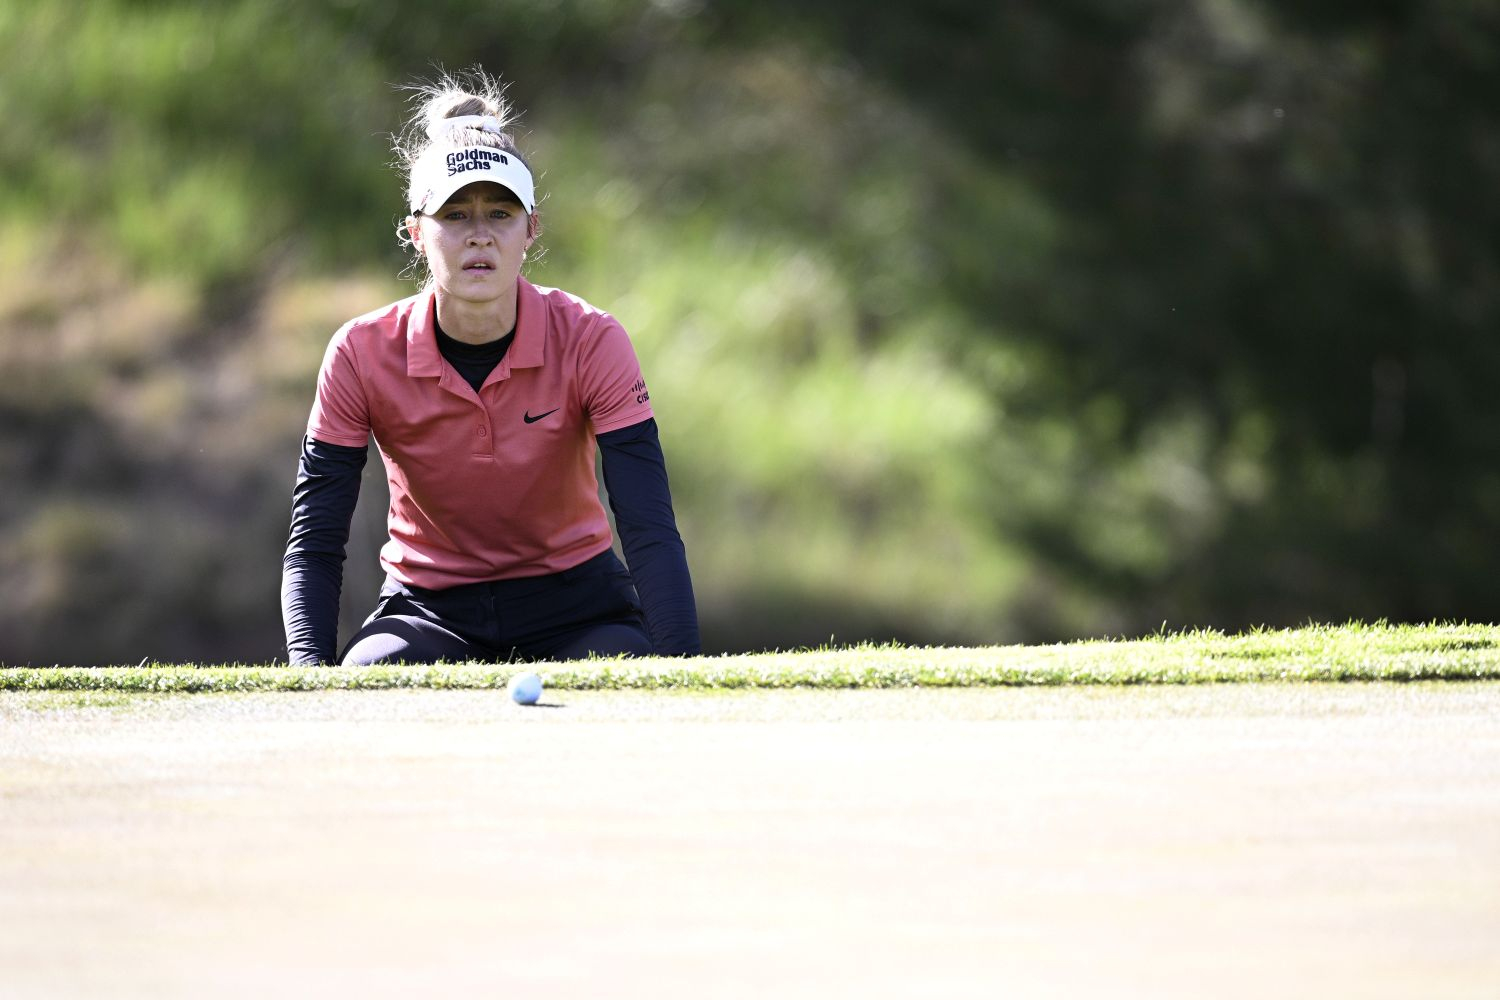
{"points": [[482, 432]]}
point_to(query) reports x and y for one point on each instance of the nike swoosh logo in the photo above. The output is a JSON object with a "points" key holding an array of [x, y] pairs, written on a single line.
{"points": [[531, 420]]}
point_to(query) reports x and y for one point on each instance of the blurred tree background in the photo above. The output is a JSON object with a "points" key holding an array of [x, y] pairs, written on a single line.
{"points": [[965, 322]]}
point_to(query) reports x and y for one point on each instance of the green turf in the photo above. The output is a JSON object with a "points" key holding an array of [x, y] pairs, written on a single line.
{"points": [[1352, 652]]}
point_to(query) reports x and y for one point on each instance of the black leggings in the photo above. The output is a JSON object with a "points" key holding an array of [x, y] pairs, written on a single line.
{"points": [[591, 609]]}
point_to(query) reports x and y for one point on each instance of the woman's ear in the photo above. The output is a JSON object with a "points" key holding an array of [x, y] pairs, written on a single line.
{"points": [[414, 230], [533, 228]]}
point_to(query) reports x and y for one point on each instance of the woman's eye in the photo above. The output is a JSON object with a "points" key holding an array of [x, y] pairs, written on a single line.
{"points": [[499, 213], [453, 216]]}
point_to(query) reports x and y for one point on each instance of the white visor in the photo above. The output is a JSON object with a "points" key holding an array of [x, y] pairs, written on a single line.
{"points": [[442, 170]]}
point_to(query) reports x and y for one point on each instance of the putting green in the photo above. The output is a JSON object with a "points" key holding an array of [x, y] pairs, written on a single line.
{"points": [[1217, 840]]}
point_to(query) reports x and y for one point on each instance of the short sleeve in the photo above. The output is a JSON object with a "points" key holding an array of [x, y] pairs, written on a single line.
{"points": [[340, 413], [612, 388]]}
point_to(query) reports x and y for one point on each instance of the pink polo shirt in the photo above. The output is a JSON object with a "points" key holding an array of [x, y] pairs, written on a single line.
{"points": [[495, 484]]}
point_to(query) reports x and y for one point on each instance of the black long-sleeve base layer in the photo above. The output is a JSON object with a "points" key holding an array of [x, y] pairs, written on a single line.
{"points": [[635, 476]]}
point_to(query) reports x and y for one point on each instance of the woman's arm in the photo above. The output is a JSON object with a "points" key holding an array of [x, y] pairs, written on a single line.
{"points": [[635, 474], [312, 572]]}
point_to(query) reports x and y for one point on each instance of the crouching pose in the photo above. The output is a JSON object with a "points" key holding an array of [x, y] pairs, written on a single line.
{"points": [[486, 396]]}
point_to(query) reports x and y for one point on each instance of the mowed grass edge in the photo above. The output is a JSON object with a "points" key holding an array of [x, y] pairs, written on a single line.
{"points": [[1353, 652]]}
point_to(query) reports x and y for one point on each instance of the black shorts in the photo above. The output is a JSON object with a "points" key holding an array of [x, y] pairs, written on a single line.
{"points": [[590, 609]]}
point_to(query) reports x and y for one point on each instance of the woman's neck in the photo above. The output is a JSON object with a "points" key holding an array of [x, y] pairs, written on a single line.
{"points": [[476, 322]]}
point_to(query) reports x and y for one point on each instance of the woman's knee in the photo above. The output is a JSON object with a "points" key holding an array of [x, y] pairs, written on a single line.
{"points": [[614, 639], [404, 639]]}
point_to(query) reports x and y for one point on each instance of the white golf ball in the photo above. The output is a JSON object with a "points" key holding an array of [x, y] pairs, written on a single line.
{"points": [[525, 688]]}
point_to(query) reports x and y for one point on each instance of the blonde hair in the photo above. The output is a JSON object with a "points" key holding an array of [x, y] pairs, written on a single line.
{"points": [[453, 95]]}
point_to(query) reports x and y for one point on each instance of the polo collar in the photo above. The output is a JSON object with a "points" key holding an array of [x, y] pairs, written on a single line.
{"points": [[528, 350]]}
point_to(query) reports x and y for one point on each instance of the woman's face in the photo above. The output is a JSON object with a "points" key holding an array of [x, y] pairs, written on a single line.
{"points": [[475, 243]]}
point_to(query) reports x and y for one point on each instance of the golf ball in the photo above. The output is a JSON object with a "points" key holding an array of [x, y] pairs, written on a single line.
{"points": [[525, 688]]}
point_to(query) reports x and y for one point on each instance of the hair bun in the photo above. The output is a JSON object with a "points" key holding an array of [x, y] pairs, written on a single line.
{"points": [[442, 128]]}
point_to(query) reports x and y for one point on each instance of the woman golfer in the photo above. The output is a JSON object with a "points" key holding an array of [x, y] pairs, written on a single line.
{"points": [[486, 396]]}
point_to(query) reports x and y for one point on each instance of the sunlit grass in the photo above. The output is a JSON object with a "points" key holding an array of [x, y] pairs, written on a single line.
{"points": [[1347, 653]]}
